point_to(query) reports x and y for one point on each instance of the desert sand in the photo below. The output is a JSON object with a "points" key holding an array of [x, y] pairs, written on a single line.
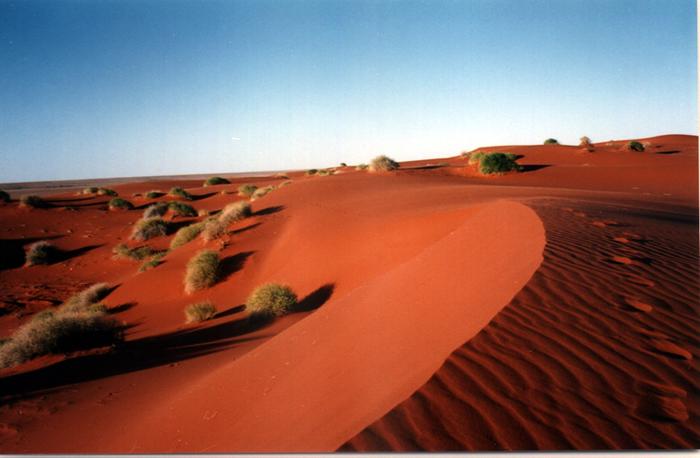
{"points": [[551, 309]]}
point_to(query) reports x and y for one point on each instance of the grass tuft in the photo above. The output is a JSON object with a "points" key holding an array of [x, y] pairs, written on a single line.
{"points": [[497, 163], [117, 203], [180, 192], [271, 300], [247, 190], [107, 192], [182, 209], [383, 164], [32, 201], [186, 234], [635, 146], [4, 196], [212, 181], [42, 252], [201, 311], [475, 157], [260, 192], [137, 254], [155, 261], [551, 141], [361, 167], [154, 194], [202, 271], [311, 172], [155, 210], [146, 229], [86, 298]]}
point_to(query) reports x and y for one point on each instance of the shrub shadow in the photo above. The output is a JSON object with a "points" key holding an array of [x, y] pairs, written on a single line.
{"points": [[244, 229], [668, 152], [232, 264], [315, 299], [269, 210], [12, 251], [231, 311], [69, 254], [534, 167]]}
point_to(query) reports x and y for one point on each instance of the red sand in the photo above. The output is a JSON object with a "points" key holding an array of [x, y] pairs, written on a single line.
{"points": [[407, 349]]}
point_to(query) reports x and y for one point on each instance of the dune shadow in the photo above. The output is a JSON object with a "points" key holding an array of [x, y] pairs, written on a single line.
{"points": [[232, 264], [316, 299], [131, 356], [269, 210], [12, 251], [534, 167]]}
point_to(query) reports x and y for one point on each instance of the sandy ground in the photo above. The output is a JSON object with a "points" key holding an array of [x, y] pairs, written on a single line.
{"points": [[441, 310]]}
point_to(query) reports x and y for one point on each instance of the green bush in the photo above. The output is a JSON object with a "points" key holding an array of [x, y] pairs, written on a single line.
{"points": [[551, 141], [246, 190], [202, 311], [155, 210], [4, 196], [498, 163], [41, 252], [182, 209], [186, 234], [212, 181], [138, 253], [635, 146], [180, 192], [107, 192], [202, 271], [146, 229], [271, 300], [383, 164], [475, 157], [32, 201], [121, 204], [154, 194], [60, 332]]}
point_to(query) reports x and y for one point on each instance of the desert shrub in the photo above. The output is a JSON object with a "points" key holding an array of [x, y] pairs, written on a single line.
{"points": [[121, 204], [202, 311], [325, 172], [271, 300], [60, 332], [186, 234], [551, 141], [343, 164], [145, 229], [213, 229], [41, 252], [311, 172], [155, 210], [585, 142], [90, 190], [383, 164], [475, 157], [4, 196], [284, 176], [260, 192], [154, 194], [182, 209], [498, 163], [82, 301], [107, 192], [202, 271], [635, 146], [246, 190], [235, 211], [179, 192], [138, 253], [361, 167], [155, 261], [285, 183], [211, 181], [32, 201]]}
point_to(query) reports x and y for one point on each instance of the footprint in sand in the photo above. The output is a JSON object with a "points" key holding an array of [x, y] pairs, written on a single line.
{"points": [[664, 402], [638, 305]]}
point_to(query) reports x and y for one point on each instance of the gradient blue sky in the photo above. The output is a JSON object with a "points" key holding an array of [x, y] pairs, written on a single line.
{"points": [[94, 89]]}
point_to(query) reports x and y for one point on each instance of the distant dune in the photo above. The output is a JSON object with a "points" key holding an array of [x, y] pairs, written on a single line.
{"points": [[439, 310]]}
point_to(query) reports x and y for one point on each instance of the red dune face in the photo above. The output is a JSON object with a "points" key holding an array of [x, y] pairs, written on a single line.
{"points": [[440, 310]]}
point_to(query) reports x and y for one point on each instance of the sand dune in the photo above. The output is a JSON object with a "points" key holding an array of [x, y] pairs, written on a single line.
{"points": [[429, 318]]}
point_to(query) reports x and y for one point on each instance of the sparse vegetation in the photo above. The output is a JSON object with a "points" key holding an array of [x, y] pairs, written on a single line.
{"points": [[107, 192], [285, 183], [212, 181], [361, 167], [247, 190], [145, 229], [137, 254], [4, 196], [117, 203], [154, 194], [216, 227], [155, 210], [271, 300], [343, 164], [260, 192], [58, 332], [635, 146], [213, 229], [180, 193], [496, 163], [32, 201], [475, 157], [202, 271], [585, 142], [90, 190], [311, 172], [383, 164], [87, 298], [186, 234], [42, 252], [182, 209], [155, 261], [202, 311], [326, 172], [551, 141]]}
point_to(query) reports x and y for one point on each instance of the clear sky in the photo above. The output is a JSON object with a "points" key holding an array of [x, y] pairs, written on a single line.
{"points": [[94, 89]]}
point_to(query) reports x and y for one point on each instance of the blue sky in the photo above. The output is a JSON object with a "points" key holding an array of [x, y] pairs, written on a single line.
{"points": [[94, 89]]}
